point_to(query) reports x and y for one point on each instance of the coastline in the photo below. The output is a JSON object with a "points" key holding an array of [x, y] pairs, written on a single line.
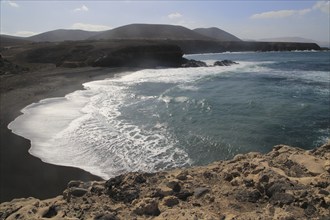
{"points": [[23, 175]]}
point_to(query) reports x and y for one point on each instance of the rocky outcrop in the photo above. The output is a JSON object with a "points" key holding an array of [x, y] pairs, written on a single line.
{"points": [[7, 67], [197, 63], [202, 46], [286, 183], [193, 63], [134, 52], [142, 56], [224, 63]]}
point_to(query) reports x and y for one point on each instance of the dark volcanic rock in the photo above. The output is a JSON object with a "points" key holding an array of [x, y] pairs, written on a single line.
{"points": [[278, 187], [249, 196], [106, 216], [170, 201], [51, 212], [78, 192], [125, 188], [174, 185], [142, 56], [194, 63], [282, 198], [224, 63], [201, 191], [183, 195]]}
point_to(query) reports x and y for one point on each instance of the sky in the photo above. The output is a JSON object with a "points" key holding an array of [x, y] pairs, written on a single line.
{"points": [[245, 19]]}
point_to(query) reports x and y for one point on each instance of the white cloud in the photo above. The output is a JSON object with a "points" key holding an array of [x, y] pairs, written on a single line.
{"points": [[274, 14], [13, 4], [90, 27], [175, 15], [323, 6], [21, 33], [82, 8], [25, 33], [304, 11]]}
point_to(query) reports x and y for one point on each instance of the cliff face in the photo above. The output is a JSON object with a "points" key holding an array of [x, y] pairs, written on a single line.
{"points": [[131, 53], [107, 54], [287, 183], [237, 46], [142, 56]]}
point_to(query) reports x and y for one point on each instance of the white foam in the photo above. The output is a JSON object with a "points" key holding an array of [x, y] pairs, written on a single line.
{"points": [[87, 128]]}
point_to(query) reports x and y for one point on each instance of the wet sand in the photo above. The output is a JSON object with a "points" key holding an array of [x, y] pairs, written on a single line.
{"points": [[21, 174]]}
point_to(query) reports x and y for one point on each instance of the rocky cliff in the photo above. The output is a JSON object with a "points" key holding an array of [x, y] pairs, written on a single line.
{"points": [[130, 52], [196, 46], [286, 183], [105, 54]]}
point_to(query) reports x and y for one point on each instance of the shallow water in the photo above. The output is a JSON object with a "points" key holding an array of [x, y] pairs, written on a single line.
{"points": [[163, 118]]}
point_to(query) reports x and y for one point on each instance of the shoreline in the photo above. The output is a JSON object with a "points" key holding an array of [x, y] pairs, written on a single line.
{"points": [[23, 175]]}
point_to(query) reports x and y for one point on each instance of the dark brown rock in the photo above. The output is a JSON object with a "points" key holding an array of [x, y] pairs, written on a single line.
{"points": [[282, 198], [170, 201], [78, 192], [194, 63], [249, 196], [106, 216], [201, 191], [224, 63], [174, 185]]}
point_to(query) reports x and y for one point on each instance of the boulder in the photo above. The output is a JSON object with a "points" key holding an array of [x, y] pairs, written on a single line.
{"points": [[201, 191], [170, 201], [194, 63], [78, 192], [224, 63]]}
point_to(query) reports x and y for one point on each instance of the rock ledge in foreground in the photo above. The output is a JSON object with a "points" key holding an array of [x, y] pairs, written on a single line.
{"points": [[287, 183]]}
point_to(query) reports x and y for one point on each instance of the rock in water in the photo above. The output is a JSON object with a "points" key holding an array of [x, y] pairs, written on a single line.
{"points": [[224, 63], [194, 63]]}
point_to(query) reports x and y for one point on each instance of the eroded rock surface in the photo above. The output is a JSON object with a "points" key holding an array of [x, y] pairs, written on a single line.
{"points": [[287, 183]]}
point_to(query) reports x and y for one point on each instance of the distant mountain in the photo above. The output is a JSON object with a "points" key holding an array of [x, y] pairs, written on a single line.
{"points": [[151, 31], [8, 40], [62, 35], [217, 34], [295, 39]]}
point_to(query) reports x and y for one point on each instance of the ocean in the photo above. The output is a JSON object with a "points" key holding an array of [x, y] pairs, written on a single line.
{"points": [[156, 119]]}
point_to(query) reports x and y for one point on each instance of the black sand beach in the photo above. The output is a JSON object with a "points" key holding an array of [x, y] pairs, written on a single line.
{"points": [[23, 175]]}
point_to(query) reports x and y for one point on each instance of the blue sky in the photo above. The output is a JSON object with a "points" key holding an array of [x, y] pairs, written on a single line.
{"points": [[245, 19]]}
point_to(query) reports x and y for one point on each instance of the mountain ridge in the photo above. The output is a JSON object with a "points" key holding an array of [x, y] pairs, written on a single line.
{"points": [[295, 39], [216, 33], [62, 35], [151, 31]]}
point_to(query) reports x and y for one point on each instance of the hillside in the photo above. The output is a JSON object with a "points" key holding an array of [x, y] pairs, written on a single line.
{"points": [[150, 31], [62, 35], [217, 34], [7, 40], [295, 39]]}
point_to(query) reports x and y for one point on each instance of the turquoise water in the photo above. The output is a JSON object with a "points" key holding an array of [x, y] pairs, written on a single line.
{"points": [[163, 118]]}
